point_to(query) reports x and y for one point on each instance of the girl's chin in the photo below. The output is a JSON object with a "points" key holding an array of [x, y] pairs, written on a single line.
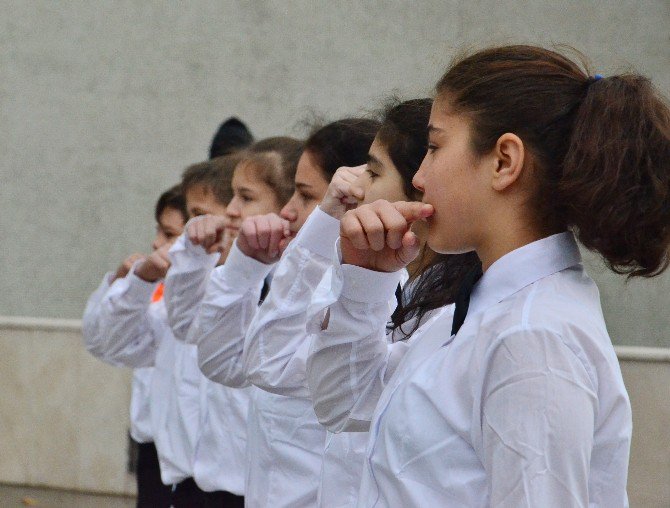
{"points": [[439, 243]]}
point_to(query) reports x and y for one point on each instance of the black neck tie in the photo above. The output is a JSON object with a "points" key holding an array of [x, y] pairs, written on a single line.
{"points": [[398, 295], [463, 298]]}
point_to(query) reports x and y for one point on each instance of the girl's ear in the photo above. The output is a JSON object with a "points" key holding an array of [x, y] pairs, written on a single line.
{"points": [[509, 158]]}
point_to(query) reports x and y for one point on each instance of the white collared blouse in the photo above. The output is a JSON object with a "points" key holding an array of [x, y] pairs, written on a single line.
{"points": [[524, 406], [136, 333], [284, 440], [219, 449], [276, 347], [140, 415]]}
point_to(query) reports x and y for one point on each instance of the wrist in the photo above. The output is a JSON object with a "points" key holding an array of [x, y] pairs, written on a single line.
{"points": [[333, 208], [146, 272]]}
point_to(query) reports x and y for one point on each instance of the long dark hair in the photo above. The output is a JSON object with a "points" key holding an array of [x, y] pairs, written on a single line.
{"points": [[404, 134], [601, 147], [340, 143]]}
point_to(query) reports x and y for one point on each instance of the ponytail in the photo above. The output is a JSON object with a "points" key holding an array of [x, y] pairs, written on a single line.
{"points": [[616, 175]]}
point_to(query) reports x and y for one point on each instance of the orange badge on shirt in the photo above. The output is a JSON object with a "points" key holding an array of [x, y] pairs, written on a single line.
{"points": [[158, 294]]}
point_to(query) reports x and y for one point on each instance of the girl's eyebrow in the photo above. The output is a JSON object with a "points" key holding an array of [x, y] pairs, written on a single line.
{"points": [[373, 160]]}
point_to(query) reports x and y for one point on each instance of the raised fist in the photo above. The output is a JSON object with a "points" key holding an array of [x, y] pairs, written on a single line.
{"points": [[343, 193], [264, 237], [377, 236]]}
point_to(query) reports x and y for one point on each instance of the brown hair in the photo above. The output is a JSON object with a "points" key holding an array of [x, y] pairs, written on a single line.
{"points": [[214, 175], [276, 160], [344, 142], [403, 133], [171, 198], [601, 147]]}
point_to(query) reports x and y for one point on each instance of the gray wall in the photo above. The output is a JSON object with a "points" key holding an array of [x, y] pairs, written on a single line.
{"points": [[102, 104]]}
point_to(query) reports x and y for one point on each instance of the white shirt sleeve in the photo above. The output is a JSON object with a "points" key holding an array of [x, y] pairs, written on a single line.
{"points": [[276, 345], [349, 353], [185, 284], [229, 305], [90, 322], [533, 387], [128, 332]]}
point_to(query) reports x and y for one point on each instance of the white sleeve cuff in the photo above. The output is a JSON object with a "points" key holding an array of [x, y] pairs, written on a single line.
{"points": [[139, 291], [242, 271], [319, 233], [367, 286], [107, 280], [186, 257], [363, 285]]}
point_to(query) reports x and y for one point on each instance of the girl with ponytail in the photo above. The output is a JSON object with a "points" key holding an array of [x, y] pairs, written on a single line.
{"points": [[523, 403]]}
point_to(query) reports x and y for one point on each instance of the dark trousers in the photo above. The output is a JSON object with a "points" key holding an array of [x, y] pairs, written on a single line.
{"points": [[186, 494], [151, 493], [223, 499]]}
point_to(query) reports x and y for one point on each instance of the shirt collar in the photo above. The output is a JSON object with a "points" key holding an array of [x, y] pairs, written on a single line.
{"points": [[522, 267]]}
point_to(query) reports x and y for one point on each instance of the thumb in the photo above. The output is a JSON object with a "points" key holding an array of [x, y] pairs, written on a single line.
{"points": [[413, 210], [409, 248]]}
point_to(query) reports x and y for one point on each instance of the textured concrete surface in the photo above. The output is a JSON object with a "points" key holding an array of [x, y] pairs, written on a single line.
{"points": [[14, 496], [102, 104], [648, 385], [63, 414]]}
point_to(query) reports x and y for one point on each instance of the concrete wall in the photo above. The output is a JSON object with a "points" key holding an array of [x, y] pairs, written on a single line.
{"points": [[64, 415], [102, 104], [646, 373]]}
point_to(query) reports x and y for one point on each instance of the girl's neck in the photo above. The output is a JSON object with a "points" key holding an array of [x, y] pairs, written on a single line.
{"points": [[496, 247]]}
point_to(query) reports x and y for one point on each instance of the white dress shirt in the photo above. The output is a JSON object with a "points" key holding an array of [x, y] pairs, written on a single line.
{"points": [[220, 447], [284, 440], [525, 406], [276, 347], [140, 415], [137, 334]]}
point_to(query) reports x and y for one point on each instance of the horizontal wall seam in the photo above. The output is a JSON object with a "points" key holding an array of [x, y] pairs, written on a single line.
{"points": [[629, 353], [39, 324]]}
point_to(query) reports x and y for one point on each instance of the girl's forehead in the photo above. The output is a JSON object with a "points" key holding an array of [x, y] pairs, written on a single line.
{"points": [[246, 171]]}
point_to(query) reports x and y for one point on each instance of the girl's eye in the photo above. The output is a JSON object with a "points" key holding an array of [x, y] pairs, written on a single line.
{"points": [[431, 148], [371, 174], [246, 199]]}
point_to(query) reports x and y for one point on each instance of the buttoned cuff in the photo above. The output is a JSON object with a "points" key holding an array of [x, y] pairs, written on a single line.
{"points": [[319, 233], [243, 271], [186, 257]]}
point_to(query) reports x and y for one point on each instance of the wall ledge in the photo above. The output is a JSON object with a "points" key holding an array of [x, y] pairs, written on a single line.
{"points": [[39, 324], [628, 353], [643, 354]]}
